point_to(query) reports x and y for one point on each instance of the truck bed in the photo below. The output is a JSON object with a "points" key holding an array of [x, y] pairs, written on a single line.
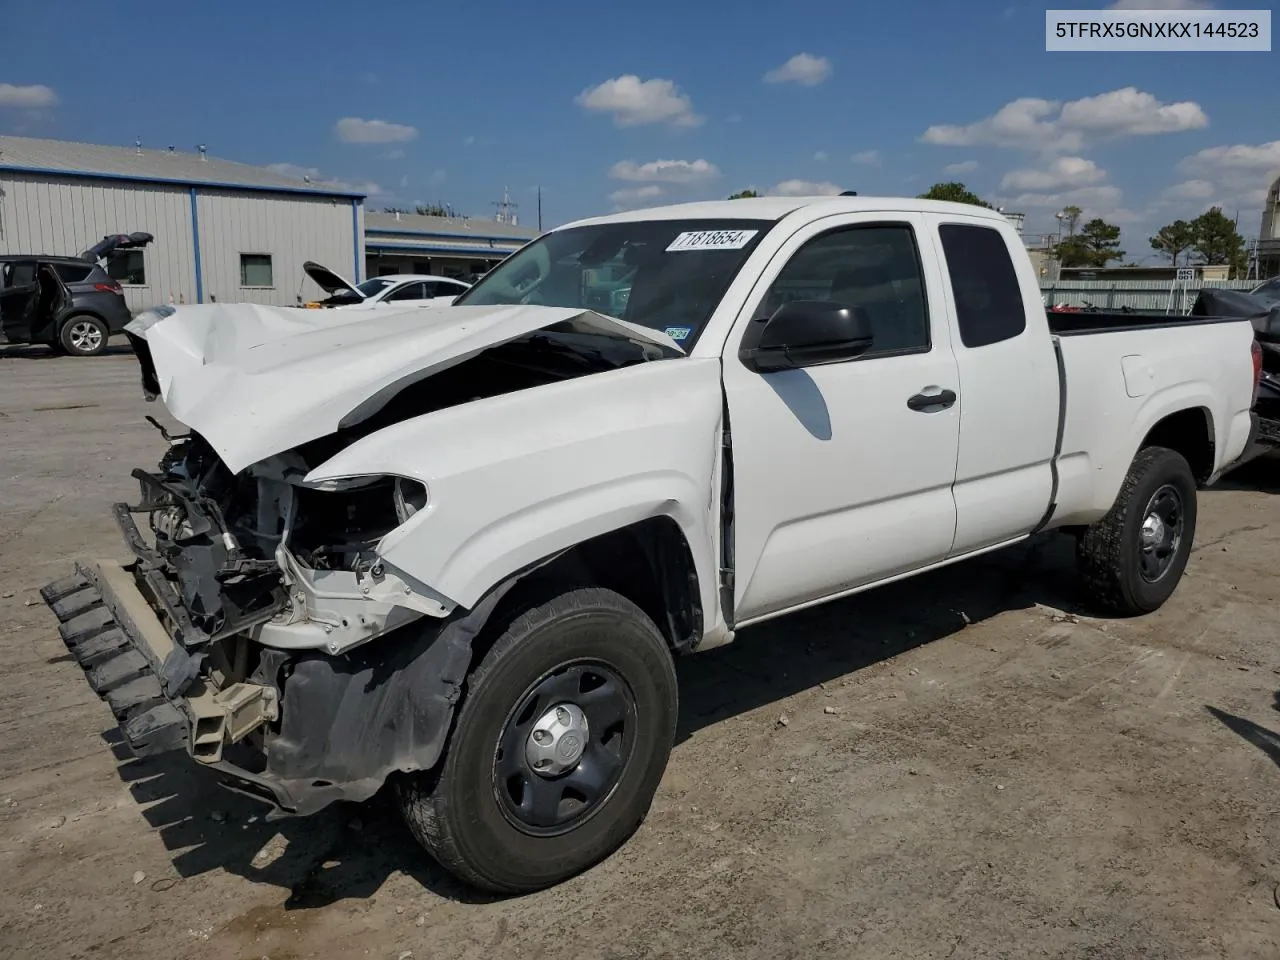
{"points": [[1077, 324]]}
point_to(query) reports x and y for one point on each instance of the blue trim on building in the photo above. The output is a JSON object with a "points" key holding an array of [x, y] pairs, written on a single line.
{"points": [[355, 240], [177, 182], [195, 246], [371, 246], [382, 231]]}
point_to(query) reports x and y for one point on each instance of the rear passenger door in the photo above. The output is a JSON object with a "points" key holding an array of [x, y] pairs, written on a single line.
{"points": [[842, 473], [409, 295], [1008, 380], [19, 297]]}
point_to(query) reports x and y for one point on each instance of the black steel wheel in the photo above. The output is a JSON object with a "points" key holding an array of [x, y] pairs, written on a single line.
{"points": [[1133, 558], [558, 747]]}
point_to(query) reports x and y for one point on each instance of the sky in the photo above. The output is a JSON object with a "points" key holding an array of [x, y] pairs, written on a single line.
{"points": [[610, 106]]}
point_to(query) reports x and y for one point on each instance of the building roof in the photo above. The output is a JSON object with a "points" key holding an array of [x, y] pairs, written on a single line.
{"points": [[63, 157], [471, 228]]}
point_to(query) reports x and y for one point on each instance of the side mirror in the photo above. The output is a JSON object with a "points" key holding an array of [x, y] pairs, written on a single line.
{"points": [[806, 333]]}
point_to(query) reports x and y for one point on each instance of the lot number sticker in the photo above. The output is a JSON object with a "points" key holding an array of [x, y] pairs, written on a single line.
{"points": [[712, 240]]}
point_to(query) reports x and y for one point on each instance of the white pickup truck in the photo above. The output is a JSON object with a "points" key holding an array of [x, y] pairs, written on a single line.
{"points": [[458, 550]]}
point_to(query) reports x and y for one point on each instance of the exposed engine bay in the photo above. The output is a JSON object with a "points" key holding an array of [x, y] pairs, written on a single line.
{"points": [[244, 549]]}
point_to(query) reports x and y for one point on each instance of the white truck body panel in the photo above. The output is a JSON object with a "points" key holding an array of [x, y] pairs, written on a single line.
{"points": [[837, 484]]}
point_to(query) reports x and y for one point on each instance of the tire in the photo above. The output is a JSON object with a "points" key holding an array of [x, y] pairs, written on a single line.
{"points": [[83, 335], [468, 816], [1112, 555]]}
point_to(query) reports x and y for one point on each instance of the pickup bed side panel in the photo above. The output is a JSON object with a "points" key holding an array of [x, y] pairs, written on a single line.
{"points": [[1121, 384], [514, 479]]}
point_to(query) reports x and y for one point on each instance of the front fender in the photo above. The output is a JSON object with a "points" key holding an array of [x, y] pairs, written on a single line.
{"points": [[516, 478]]}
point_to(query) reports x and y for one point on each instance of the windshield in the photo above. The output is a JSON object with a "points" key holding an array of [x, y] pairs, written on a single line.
{"points": [[375, 285], [667, 275], [1270, 290]]}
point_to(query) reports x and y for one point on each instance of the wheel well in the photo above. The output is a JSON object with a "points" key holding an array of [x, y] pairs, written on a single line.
{"points": [[1190, 433], [649, 563]]}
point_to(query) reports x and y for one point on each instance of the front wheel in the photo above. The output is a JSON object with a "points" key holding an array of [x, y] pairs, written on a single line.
{"points": [[560, 744], [84, 336], [1132, 559]]}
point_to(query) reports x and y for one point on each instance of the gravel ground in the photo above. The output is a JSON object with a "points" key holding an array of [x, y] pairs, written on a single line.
{"points": [[966, 765]]}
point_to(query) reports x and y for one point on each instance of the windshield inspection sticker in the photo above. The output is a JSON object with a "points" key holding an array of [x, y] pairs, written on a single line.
{"points": [[678, 333], [712, 240]]}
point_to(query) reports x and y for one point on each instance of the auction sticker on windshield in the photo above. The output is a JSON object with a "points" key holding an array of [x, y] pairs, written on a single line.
{"points": [[712, 240]]}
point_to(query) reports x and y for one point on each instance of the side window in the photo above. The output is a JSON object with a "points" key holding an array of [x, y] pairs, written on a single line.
{"points": [[410, 291], [988, 300], [71, 272], [875, 267]]}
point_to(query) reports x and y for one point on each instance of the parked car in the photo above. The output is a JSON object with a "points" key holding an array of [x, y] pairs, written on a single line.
{"points": [[462, 556], [1268, 290], [70, 304], [401, 290]]}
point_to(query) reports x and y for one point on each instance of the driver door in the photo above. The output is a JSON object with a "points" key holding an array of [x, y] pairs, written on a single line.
{"points": [[842, 475]]}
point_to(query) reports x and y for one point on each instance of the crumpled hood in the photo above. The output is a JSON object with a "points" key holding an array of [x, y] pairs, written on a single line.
{"points": [[255, 380]]}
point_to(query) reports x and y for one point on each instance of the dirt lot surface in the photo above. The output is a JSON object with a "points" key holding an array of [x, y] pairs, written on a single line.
{"points": [[969, 767]]}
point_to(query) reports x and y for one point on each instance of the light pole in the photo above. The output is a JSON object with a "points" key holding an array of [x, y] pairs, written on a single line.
{"points": [[1061, 216]]}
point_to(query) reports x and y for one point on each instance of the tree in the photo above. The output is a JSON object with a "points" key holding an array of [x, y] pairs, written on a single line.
{"points": [[1174, 238], [743, 195], [1071, 217], [1096, 245], [433, 210], [953, 192], [1217, 240]]}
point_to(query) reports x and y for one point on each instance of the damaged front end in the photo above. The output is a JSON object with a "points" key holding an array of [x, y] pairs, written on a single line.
{"points": [[238, 630]]}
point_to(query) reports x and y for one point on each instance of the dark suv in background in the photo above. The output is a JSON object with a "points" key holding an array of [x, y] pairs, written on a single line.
{"points": [[70, 304]]}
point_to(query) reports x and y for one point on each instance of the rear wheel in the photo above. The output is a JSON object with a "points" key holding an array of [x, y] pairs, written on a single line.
{"points": [[558, 749], [1132, 559], [84, 336]]}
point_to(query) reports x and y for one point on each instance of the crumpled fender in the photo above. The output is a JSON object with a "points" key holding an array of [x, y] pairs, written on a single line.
{"points": [[516, 478]]}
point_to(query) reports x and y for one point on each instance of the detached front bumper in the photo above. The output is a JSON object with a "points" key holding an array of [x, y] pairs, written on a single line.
{"points": [[306, 729]]}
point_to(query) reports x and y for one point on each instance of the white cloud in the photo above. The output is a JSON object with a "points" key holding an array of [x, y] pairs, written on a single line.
{"points": [[821, 156], [805, 188], [665, 171], [396, 154], [1161, 5], [32, 97], [1130, 112], [404, 181], [868, 158], [437, 177], [1060, 173], [316, 178], [733, 118], [1053, 127], [1096, 200], [964, 166], [1241, 159], [629, 197], [804, 69], [1191, 190], [635, 102], [355, 130]]}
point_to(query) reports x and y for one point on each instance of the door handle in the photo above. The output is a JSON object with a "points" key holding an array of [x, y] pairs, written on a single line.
{"points": [[929, 402]]}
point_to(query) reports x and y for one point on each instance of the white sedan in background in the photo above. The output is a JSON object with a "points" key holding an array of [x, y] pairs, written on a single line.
{"points": [[401, 289]]}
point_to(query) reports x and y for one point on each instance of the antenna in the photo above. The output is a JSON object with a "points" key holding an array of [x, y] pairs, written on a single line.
{"points": [[505, 207]]}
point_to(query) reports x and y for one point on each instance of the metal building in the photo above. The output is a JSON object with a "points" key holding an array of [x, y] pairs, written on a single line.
{"points": [[459, 247], [1268, 247], [223, 230]]}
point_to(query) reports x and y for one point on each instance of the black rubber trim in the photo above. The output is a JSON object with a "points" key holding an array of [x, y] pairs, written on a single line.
{"points": [[1057, 443], [1083, 324]]}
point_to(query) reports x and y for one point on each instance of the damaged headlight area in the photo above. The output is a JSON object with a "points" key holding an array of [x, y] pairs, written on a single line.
{"points": [[264, 552]]}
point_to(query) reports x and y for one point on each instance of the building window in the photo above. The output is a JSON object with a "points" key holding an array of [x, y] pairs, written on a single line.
{"points": [[422, 267], [128, 267], [255, 270]]}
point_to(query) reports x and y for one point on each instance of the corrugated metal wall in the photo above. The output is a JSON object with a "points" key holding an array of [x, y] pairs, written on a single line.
{"points": [[1136, 294], [62, 216], [291, 229]]}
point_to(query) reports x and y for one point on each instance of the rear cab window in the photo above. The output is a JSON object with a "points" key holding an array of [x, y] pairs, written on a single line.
{"points": [[984, 283]]}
